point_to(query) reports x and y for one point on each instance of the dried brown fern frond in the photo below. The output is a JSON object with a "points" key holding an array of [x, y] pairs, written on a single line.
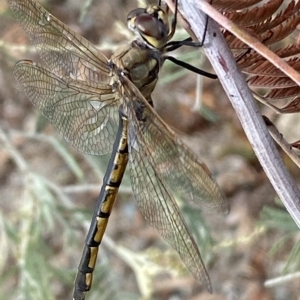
{"points": [[270, 22], [269, 29], [273, 23], [233, 5], [256, 14]]}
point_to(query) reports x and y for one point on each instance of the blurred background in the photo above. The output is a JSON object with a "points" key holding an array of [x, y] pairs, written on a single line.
{"points": [[48, 189]]}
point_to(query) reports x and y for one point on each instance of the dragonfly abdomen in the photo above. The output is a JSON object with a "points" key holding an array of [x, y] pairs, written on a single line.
{"points": [[108, 193]]}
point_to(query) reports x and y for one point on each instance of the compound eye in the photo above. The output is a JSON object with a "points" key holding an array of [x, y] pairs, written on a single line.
{"points": [[150, 26], [131, 17]]}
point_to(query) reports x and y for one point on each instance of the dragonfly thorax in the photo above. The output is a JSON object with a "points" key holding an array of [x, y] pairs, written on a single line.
{"points": [[141, 63]]}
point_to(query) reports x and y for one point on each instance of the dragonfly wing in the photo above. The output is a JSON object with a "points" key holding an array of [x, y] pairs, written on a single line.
{"points": [[152, 154], [86, 114], [176, 165], [159, 208], [65, 52]]}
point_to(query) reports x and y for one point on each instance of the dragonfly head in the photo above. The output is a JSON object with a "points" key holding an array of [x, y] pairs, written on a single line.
{"points": [[151, 24]]}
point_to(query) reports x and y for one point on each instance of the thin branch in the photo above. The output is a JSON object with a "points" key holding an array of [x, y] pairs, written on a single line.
{"points": [[281, 280], [279, 139]]}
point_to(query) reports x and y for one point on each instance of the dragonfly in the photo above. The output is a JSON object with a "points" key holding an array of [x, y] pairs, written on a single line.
{"points": [[103, 106]]}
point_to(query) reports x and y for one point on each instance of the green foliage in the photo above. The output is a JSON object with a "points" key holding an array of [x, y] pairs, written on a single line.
{"points": [[277, 218]]}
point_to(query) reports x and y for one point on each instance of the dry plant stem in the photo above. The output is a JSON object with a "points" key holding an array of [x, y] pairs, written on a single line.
{"points": [[242, 100], [281, 280], [279, 139]]}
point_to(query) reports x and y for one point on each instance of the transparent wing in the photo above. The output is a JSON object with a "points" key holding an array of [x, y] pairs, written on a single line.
{"points": [[177, 166], [65, 52], [161, 167], [86, 114], [159, 208]]}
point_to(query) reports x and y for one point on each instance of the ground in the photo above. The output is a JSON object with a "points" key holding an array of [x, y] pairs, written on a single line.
{"points": [[48, 191]]}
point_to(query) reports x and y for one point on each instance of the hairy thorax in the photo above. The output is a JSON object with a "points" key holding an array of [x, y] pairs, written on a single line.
{"points": [[141, 63]]}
